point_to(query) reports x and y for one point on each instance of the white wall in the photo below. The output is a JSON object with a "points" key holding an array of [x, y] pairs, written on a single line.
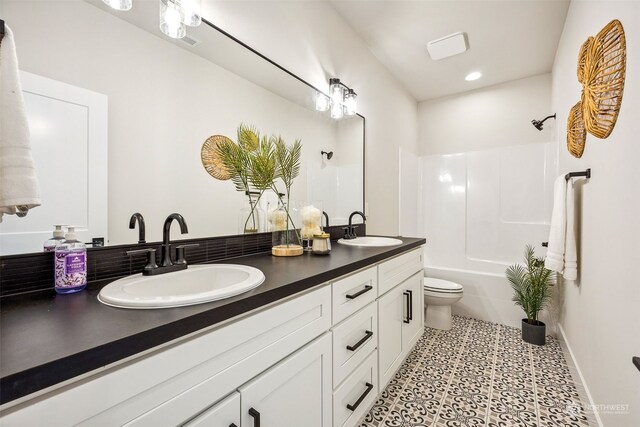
{"points": [[498, 115], [313, 41], [599, 313]]}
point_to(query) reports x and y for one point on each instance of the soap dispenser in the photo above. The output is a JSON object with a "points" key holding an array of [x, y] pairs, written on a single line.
{"points": [[58, 238], [70, 264]]}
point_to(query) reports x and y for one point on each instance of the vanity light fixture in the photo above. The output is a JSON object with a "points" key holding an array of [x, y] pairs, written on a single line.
{"points": [[475, 75], [342, 100], [119, 4], [175, 15]]}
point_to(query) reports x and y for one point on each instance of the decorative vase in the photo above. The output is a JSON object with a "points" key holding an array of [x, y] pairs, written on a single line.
{"points": [[533, 333], [285, 237], [251, 218]]}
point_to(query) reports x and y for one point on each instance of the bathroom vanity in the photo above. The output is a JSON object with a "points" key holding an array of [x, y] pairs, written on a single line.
{"points": [[313, 345]]}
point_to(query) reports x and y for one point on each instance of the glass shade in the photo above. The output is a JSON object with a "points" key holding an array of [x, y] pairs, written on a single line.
{"points": [[119, 4], [350, 103], [336, 110], [191, 10], [171, 16], [322, 102], [336, 91]]}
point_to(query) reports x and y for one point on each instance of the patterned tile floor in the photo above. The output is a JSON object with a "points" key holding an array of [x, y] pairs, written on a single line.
{"points": [[480, 374]]}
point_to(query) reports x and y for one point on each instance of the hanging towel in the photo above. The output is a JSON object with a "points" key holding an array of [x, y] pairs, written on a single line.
{"points": [[562, 255], [19, 190], [554, 260]]}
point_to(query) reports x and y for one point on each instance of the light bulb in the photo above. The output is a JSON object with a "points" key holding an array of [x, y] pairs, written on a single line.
{"points": [[336, 91], [171, 17], [191, 10], [322, 102], [119, 4], [336, 110], [350, 103]]}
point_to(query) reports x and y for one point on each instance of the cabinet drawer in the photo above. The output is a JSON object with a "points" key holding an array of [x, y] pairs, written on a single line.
{"points": [[224, 414], [398, 269], [353, 293], [354, 397], [353, 340]]}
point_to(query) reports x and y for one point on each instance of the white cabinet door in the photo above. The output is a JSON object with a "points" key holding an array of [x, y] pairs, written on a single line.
{"points": [[412, 306], [223, 414], [390, 316], [296, 392]]}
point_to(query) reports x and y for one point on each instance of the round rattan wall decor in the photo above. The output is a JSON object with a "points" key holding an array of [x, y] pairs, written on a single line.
{"points": [[210, 158], [576, 134], [582, 58], [603, 79]]}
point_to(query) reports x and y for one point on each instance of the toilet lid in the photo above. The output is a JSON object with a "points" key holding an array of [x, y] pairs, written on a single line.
{"points": [[439, 285]]}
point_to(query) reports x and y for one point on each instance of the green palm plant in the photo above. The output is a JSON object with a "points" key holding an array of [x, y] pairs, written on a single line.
{"points": [[531, 284], [288, 168]]}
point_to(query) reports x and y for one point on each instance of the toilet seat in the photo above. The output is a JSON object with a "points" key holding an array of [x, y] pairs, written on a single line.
{"points": [[441, 286]]}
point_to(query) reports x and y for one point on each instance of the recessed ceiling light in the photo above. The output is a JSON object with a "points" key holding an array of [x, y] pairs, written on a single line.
{"points": [[473, 76]]}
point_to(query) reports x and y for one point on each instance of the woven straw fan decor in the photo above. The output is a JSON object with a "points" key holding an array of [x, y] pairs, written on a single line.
{"points": [[602, 77], [576, 135], [211, 160]]}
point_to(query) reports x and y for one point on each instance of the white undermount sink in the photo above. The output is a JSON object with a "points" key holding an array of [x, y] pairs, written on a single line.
{"points": [[371, 241], [195, 285]]}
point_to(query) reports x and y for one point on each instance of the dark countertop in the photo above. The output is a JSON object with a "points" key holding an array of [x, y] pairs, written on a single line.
{"points": [[50, 338]]}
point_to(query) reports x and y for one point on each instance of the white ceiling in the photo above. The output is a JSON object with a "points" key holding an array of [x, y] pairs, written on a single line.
{"points": [[509, 39]]}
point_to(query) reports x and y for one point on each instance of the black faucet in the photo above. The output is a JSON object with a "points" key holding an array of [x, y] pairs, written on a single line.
{"points": [[350, 231], [165, 254], [326, 217], [132, 224], [167, 265]]}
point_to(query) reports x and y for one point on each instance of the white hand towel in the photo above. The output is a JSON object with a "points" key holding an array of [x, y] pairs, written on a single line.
{"points": [[556, 249], [570, 252], [19, 189]]}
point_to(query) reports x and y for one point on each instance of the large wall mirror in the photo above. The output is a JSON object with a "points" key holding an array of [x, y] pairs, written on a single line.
{"points": [[118, 114]]}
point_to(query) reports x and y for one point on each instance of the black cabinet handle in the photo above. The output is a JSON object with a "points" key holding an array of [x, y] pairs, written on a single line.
{"points": [[407, 319], [256, 417], [361, 398], [410, 305], [233, 425], [636, 361], [367, 335], [357, 294]]}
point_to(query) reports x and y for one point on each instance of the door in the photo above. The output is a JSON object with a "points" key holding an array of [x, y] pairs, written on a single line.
{"points": [[225, 413], [390, 316], [412, 311], [296, 392]]}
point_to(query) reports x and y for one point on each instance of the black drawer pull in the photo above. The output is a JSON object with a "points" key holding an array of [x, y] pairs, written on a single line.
{"points": [[367, 335], [361, 398], [256, 417], [233, 425], [357, 294], [636, 361], [410, 305], [407, 319]]}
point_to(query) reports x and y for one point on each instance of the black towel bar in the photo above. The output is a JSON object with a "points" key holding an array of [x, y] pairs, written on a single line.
{"points": [[586, 174]]}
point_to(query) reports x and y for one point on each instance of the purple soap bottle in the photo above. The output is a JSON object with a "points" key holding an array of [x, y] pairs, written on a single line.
{"points": [[70, 264]]}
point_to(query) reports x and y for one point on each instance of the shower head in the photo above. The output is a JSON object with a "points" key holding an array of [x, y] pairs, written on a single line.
{"points": [[328, 153], [538, 124]]}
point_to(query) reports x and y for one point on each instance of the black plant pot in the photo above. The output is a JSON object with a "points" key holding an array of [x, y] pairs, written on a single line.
{"points": [[533, 333]]}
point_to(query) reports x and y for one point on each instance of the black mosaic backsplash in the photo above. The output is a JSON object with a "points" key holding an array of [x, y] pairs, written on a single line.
{"points": [[23, 274]]}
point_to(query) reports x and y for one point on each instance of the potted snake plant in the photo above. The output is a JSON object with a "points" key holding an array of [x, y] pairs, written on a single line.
{"points": [[531, 284]]}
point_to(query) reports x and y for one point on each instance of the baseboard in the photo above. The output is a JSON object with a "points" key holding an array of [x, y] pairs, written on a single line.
{"points": [[576, 373]]}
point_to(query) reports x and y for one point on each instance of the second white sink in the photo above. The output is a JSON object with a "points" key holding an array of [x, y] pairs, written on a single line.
{"points": [[197, 284], [371, 241]]}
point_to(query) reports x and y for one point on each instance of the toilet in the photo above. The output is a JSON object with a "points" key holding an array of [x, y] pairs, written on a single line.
{"points": [[439, 295]]}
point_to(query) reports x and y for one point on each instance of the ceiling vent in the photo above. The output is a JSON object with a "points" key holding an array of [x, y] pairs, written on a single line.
{"points": [[190, 41], [444, 47]]}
